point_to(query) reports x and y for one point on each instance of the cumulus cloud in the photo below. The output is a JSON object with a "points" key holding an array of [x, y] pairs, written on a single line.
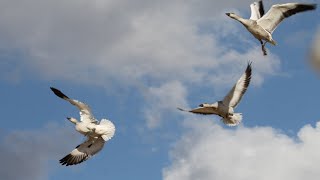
{"points": [[209, 151], [100, 41], [26, 154], [125, 43], [165, 98]]}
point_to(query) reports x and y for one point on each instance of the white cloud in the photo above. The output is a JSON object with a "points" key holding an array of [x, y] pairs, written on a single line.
{"points": [[209, 151], [126, 43], [99, 41], [26, 154], [163, 99]]}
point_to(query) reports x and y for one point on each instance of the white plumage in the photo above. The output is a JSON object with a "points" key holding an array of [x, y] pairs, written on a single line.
{"points": [[97, 133], [263, 27], [257, 10], [225, 108]]}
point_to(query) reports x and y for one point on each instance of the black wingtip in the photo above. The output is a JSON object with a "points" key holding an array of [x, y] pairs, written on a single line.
{"points": [[249, 66], [70, 160], [309, 7], [261, 9], [59, 93], [300, 8], [248, 73]]}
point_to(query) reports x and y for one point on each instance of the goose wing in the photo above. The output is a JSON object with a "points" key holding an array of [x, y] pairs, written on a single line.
{"points": [[235, 94], [202, 110], [280, 11], [85, 111], [257, 10], [83, 151]]}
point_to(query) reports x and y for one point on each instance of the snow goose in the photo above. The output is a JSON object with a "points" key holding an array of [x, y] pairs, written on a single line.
{"points": [[262, 28], [97, 132], [225, 108]]}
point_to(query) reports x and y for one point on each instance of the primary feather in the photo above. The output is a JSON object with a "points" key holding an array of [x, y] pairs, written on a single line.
{"points": [[225, 107]]}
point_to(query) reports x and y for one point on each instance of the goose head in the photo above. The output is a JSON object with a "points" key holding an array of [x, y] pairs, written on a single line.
{"points": [[203, 105], [209, 105], [232, 15], [73, 120]]}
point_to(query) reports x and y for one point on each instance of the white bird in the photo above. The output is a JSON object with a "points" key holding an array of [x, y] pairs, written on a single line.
{"points": [[225, 108], [97, 132], [262, 27]]}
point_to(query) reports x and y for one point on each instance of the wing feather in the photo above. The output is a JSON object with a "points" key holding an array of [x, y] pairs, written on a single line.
{"points": [[83, 152], [85, 111], [202, 110], [235, 94], [257, 10], [278, 12]]}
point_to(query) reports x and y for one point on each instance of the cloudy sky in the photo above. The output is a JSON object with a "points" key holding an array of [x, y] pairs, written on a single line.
{"points": [[134, 62]]}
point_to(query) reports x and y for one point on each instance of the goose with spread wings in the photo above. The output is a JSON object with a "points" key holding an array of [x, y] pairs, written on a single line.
{"points": [[261, 25], [225, 108], [97, 133]]}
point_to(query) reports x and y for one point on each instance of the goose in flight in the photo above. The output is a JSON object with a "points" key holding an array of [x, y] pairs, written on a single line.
{"points": [[225, 108], [262, 27], [97, 133]]}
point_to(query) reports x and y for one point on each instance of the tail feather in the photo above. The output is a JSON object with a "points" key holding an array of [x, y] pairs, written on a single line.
{"points": [[108, 129], [273, 42], [233, 120]]}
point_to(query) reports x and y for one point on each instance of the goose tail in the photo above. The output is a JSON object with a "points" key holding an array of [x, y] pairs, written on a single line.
{"points": [[273, 42], [233, 120]]}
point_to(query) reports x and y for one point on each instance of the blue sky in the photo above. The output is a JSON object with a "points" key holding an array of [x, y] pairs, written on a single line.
{"points": [[134, 63]]}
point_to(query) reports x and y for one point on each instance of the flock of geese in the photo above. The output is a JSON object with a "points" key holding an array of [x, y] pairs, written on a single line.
{"points": [[260, 25]]}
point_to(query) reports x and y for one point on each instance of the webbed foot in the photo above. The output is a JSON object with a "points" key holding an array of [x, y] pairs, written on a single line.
{"points": [[264, 51]]}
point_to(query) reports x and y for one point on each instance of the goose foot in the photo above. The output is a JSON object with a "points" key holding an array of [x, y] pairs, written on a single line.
{"points": [[264, 51]]}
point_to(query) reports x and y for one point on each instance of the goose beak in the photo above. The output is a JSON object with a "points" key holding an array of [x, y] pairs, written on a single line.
{"points": [[228, 14]]}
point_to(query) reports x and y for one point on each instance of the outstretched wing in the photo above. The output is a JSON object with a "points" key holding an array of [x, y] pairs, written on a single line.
{"points": [[278, 12], [257, 10], [85, 111], [83, 152], [202, 110], [235, 94]]}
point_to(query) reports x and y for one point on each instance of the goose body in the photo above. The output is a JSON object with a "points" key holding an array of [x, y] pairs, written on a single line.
{"points": [[97, 133], [225, 108], [82, 127], [261, 26]]}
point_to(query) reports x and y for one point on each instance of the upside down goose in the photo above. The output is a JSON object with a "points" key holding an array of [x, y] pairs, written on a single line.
{"points": [[262, 27], [225, 108], [97, 133]]}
